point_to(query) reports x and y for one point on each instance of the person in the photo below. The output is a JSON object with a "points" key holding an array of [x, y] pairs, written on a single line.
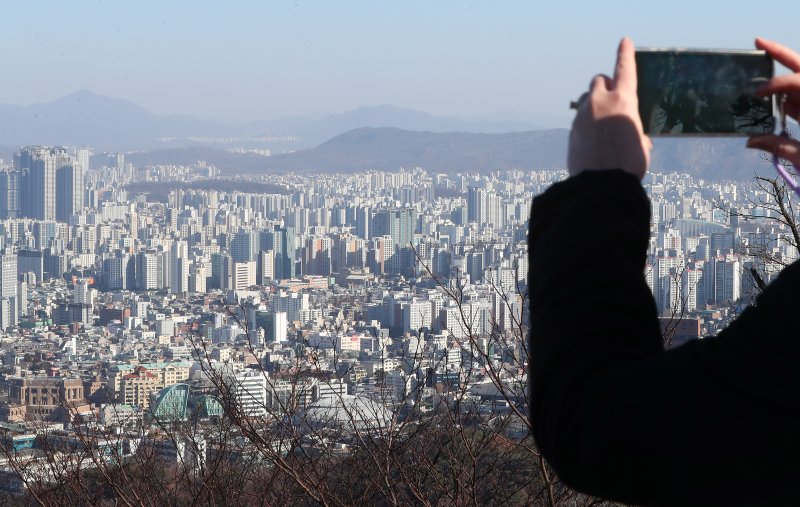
{"points": [[712, 422]]}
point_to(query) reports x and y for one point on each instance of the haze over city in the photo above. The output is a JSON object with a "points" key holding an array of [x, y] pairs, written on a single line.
{"points": [[263, 60], [262, 253]]}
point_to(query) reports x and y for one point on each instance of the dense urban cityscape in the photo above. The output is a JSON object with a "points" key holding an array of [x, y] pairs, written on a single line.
{"points": [[334, 307]]}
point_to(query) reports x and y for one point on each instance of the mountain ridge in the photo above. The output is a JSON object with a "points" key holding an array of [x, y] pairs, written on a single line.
{"points": [[85, 118], [391, 148], [370, 137]]}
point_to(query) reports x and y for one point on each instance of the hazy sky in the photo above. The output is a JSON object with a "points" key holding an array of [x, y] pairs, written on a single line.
{"points": [[266, 59]]}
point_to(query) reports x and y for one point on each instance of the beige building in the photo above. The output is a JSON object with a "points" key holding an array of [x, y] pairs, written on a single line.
{"points": [[244, 275], [136, 387], [167, 373]]}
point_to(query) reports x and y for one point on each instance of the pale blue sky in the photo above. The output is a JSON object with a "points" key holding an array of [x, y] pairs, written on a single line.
{"points": [[262, 60]]}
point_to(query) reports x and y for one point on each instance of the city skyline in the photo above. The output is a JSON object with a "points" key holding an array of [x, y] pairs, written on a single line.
{"points": [[327, 307], [198, 305]]}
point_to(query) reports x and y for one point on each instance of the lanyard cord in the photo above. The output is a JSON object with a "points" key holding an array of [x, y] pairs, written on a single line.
{"points": [[776, 161]]}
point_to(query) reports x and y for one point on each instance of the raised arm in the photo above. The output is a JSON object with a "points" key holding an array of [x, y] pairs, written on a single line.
{"points": [[712, 422]]}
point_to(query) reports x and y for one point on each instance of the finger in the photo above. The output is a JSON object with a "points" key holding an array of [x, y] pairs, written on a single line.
{"points": [[792, 105], [781, 53], [780, 84], [792, 110], [600, 83], [625, 71], [777, 145]]}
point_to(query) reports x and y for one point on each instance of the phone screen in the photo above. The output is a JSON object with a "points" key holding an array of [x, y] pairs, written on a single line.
{"points": [[702, 92]]}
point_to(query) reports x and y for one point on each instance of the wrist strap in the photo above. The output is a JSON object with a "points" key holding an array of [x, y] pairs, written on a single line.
{"points": [[776, 161]]}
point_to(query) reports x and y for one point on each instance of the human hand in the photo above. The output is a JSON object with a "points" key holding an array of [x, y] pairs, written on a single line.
{"points": [[789, 85], [607, 131]]}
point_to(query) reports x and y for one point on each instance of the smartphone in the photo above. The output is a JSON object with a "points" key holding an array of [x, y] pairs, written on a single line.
{"points": [[704, 92]]}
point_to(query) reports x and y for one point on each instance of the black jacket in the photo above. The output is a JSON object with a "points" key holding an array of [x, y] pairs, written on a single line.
{"points": [[713, 422]]}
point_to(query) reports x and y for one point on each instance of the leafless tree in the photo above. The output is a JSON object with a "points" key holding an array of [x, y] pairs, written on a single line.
{"points": [[780, 207]]}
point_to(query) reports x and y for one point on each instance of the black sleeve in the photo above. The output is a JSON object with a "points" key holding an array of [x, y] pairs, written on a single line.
{"points": [[713, 422]]}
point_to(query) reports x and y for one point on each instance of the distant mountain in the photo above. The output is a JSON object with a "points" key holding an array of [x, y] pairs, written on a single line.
{"points": [[390, 148], [107, 124], [384, 148], [380, 137], [724, 158], [313, 131], [88, 119]]}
